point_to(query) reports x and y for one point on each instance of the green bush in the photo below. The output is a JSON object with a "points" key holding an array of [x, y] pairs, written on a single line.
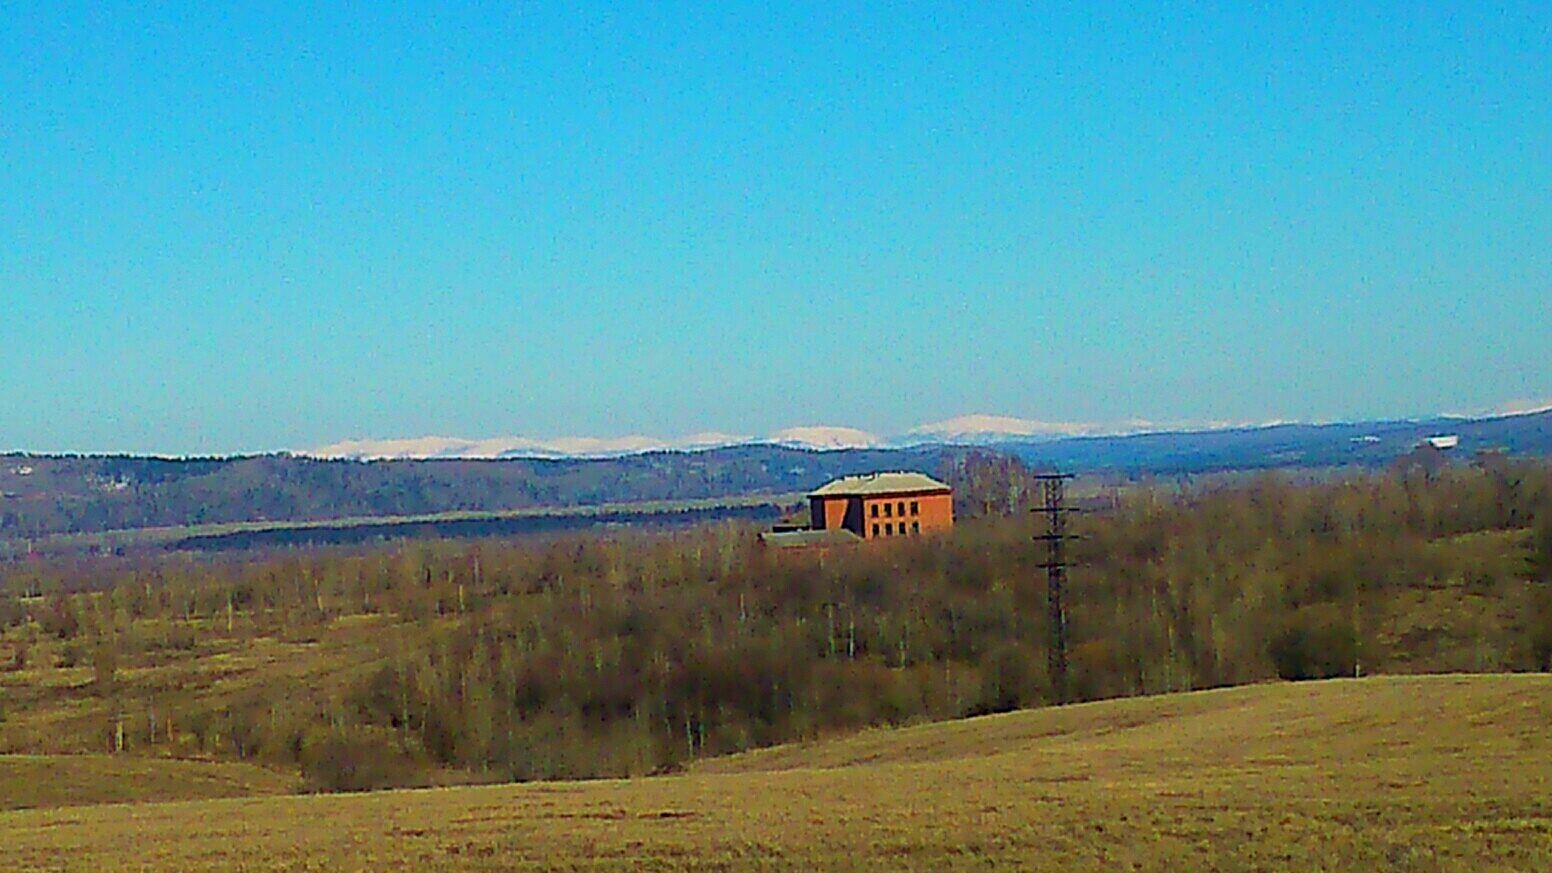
{"points": [[19, 658], [1316, 642], [71, 654], [1541, 548], [12, 612], [105, 668], [59, 618], [1010, 680], [354, 759], [1541, 628], [172, 636]]}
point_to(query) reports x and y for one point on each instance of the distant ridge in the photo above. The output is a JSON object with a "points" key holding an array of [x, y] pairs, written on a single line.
{"points": [[978, 429], [819, 437], [42, 495], [425, 448], [967, 430]]}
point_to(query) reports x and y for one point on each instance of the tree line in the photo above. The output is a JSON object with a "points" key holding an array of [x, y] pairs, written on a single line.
{"points": [[627, 653]]}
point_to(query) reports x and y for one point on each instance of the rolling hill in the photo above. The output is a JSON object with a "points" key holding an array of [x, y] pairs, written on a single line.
{"points": [[53, 781], [1365, 444], [42, 495], [1417, 773]]}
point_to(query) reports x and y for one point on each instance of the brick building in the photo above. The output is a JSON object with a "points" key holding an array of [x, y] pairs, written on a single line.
{"points": [[883, 505]]}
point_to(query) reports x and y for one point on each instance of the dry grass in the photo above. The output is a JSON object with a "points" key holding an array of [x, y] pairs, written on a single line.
{"points": [[1423, 773], [31, 781], [57, 710]]}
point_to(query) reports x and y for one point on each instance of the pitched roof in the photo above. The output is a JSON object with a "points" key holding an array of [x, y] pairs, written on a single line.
{"points": [[799, 539], [880, 483]]}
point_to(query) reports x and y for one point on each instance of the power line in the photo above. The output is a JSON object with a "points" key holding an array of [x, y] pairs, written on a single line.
{"points": [[1056, 510]]}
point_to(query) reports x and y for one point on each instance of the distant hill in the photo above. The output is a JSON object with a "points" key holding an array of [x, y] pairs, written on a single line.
{"points": [[1373, 443], [48, 495], [43, 495], [1270, 777]]}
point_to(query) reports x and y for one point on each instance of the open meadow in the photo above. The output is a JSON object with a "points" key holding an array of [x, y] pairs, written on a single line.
{"points": [[1416, 773], [45, 781], [687, 699], [740, 436]]}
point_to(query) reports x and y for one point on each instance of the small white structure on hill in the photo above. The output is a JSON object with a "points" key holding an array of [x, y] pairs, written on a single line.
{"points": [[1443, 441]]}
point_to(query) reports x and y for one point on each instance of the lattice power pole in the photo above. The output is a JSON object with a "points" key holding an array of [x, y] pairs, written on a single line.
{"points": [[1055, 508]]}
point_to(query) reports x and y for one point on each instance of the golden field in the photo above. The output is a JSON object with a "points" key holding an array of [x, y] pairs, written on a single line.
{"points": [[1416, 773]]}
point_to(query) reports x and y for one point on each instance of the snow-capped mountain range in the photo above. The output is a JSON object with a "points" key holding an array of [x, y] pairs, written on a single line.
{"points": [[975, 429], [978, 429]]}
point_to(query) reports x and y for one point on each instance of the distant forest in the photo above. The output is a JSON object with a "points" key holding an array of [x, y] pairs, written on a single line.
{"points": [[44, 495], [86, 494], [587, 655]]}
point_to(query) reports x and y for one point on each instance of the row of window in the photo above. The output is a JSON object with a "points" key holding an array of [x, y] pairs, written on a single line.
{"points": [[890, 507], [889, 528]]}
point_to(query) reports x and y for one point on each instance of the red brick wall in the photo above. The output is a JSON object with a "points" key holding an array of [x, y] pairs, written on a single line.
{"points": [[937, 512], [897, 515], [828, 513]]}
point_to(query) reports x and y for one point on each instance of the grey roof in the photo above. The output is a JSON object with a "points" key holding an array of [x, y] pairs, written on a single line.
{"points": [[798, 539], [880, 483]]}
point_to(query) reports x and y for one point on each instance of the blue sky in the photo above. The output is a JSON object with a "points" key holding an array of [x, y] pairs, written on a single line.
{"points": [[224, 229]]}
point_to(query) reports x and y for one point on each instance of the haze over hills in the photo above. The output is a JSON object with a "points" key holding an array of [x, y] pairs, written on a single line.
{"points": [[978, 429], [970, 430], [43, 495], [421, 448]]}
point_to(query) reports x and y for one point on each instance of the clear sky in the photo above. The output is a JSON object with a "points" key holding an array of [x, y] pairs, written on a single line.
{"points": [[225, 229]]}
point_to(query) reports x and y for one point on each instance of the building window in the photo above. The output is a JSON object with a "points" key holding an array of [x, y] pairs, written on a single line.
{"points": [[902, 509], [914, 510], [875, 530], [875, 512], [889, 530], [915, 527], [888, 510]]}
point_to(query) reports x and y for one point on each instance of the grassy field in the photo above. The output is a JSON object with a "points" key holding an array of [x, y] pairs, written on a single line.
{"points": [[1417, 773], [54, 709], [44, 781]]}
